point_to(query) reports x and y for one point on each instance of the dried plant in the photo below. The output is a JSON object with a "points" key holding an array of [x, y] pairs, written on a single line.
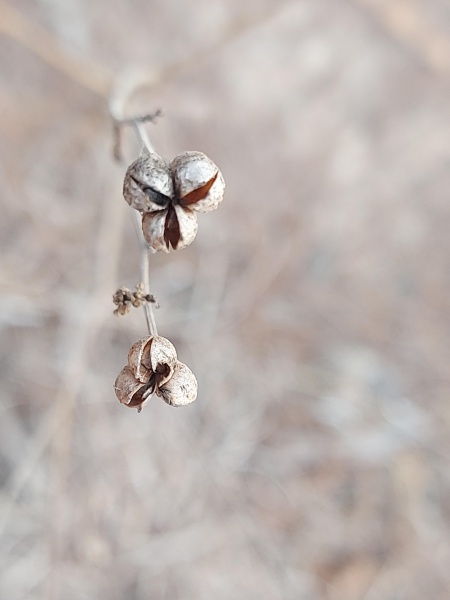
{"points": [[153, 367], [125, 299], [167, 197]]}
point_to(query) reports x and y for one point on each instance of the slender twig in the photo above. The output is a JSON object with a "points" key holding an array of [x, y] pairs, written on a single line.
{"points": [[145, 278], [142, 134], [137, 123], [117, 104], [150, 117]]}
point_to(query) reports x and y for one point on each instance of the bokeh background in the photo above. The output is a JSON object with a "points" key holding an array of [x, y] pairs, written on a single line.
{"points": [[314, 305]]}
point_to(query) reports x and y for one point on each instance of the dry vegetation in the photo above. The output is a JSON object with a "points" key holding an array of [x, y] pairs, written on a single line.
{"points": [[313, 306]]}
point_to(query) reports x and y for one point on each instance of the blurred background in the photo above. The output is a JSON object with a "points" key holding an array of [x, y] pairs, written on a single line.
{"points": [[313, 306]]}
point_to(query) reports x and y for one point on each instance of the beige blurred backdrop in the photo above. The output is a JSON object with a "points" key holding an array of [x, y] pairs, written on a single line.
{"points": [[314, 305]]}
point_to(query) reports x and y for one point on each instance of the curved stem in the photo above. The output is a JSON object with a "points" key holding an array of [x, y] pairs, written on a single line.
{"points": [[142, 134]]}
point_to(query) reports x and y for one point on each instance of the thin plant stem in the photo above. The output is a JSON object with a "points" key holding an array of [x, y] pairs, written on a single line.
{"points": [[145, 277], [139, 127], [117, 104]]}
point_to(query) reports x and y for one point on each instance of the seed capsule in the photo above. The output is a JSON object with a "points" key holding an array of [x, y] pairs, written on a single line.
{"points": [[168, 196], [148, 185], [198, 182], [153, 368]]}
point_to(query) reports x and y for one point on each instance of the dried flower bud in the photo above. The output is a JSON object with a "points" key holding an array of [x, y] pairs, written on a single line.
{"points": [[153, 368], [181, 388], [168, 195], [175, 227], [152, 355], [130, 391], [199, 183], [122, 299], [148, 185]]}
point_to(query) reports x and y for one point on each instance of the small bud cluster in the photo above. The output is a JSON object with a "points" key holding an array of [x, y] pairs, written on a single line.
{"points": [[125, 299]]}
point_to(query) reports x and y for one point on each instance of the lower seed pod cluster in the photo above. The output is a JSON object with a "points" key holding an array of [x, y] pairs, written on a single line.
{"points": [[153, 368]]}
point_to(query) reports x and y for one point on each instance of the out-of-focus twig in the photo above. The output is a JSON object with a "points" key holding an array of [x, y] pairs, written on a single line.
{"points": [[93, 75], [408, 24], [88, 73]]}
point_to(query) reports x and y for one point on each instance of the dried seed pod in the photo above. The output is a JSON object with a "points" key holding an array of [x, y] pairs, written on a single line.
{"points": [[152, 355], [139, 359], [148, 185], [168, 195], [163, 358], [153, 229], [198, 182], [153, 368], [181, 388], [130, 391], [175, 227]]}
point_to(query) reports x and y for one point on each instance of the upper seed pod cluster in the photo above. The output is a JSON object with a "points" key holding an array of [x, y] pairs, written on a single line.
{"points": [[169, 195], [153, 368]]}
